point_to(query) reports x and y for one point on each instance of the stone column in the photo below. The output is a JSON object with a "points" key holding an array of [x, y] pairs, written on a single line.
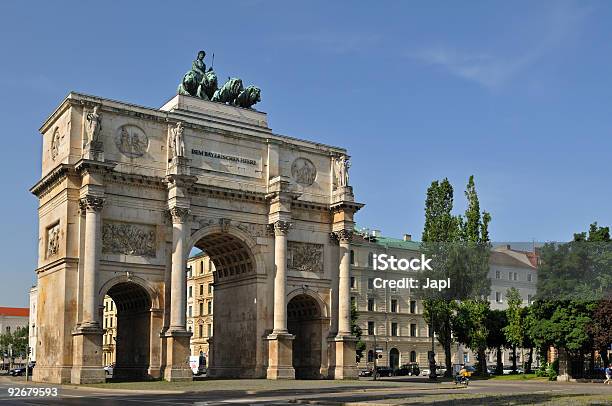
{"points": [[177, 336], [281, 229], [344, 343], [280, 342], [344, 283], [87, 336], [178, 301], [92, 205]]}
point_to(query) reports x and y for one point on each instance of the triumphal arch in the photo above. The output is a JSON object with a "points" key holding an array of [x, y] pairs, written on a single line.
{"points": [[127, 192]]}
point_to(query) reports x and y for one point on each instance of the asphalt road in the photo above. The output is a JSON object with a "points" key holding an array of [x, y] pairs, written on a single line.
{"points": [[412, 391]]}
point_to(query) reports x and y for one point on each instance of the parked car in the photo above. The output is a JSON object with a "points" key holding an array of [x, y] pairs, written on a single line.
{"points": [[108, 370], [366, 372], [508, 370], [22, 370], [384, 371], [411, 369]]}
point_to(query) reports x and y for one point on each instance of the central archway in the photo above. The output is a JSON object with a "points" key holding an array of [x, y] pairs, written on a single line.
{"points": [[304, 321], [235, 345], [133, 345]]}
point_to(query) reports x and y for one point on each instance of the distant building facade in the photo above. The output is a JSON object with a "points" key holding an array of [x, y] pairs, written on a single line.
{"points": [[12, 318], [33, 332], [109, 324], [200, 279]]}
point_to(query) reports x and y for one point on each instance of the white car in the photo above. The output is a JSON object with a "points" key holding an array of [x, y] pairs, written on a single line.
{"points": [[109, 369]]}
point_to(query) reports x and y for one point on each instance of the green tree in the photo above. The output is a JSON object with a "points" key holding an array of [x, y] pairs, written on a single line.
{"points": [[471, 329], [357, 332], [459, 251], [514, 330], [496, 339]]}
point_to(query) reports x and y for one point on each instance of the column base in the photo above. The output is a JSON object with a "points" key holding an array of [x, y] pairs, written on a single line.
{"points": [[87, 355], [344, 357], [280, 356], [177, 356]]}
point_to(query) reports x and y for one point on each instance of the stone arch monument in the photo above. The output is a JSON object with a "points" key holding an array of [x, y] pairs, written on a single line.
{"points": [[127, 191]]}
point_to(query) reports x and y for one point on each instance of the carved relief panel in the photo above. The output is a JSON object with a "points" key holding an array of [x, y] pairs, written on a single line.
{"points": [[129, 239], [305, 256], [53, 241]]}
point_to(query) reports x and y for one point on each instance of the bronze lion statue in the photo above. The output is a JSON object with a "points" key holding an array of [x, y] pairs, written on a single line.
{"points": [[229, 91], [248, 97]]}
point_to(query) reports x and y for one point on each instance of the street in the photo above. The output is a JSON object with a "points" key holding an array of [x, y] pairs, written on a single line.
{"points": [[383, 392]]}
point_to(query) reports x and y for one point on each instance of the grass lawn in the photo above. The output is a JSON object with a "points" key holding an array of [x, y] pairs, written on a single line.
{"points": [[518, 377]]}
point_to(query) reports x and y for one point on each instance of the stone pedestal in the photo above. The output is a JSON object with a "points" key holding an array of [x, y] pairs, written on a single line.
{"points": [[280, 356], [345, 364], [94, 151], [177, 350], [87, 353]]}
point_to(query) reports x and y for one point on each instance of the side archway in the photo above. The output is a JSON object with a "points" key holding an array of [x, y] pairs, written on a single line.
{"points": [[137, 315]]}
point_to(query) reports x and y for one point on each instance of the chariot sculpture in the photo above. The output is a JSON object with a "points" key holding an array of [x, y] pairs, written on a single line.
{"points": [[202, 83]]}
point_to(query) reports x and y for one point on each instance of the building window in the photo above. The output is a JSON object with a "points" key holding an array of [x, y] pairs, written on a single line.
{"points": [[529, 277], [370, 328], [201, 267], [370, 356], [190, 291], [190, 311], [353, 282], [353, 302], [210, 288], [393, 305], [413, 330], [111, 305], [529, 299], [498, 297], [201, 289], [466, 357], [413, 356], [200, 330], [352, 255], [201, 308], [370, 283], [370, 305], [394, 329], [371, 259], [497, 275], [209, 329], [209, 304], [413, 306]]}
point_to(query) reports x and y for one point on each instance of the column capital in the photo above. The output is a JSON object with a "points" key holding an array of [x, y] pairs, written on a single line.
{"points": [[333, 239], [344, 236], [179, 215], [91, 203], [281, 228]]}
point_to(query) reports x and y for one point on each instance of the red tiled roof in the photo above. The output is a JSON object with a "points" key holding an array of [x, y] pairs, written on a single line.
{"points": [[14, 311]]}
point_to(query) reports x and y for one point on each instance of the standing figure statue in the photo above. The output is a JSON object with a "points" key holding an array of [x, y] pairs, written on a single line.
{"points": [[342, 165], [94, 125], [177, 140]]}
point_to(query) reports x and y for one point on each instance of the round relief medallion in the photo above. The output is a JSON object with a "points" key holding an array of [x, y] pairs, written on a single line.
{"points": [[131, 141], [303, 171]]}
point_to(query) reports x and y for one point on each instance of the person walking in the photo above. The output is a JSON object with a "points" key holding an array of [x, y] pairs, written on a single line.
{"points": [[608, 374]]}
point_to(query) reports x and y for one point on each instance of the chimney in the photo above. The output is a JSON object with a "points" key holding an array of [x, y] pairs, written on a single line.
{"points": [[407, 237]]}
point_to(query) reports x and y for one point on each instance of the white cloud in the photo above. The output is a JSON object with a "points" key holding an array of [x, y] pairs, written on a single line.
{"points": [[493, 69]]}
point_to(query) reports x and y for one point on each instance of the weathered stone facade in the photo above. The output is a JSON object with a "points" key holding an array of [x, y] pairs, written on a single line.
{"points": [[120, 210]]}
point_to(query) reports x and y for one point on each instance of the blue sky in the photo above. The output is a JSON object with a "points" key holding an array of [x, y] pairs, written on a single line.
{"points": [[516, 93]]}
